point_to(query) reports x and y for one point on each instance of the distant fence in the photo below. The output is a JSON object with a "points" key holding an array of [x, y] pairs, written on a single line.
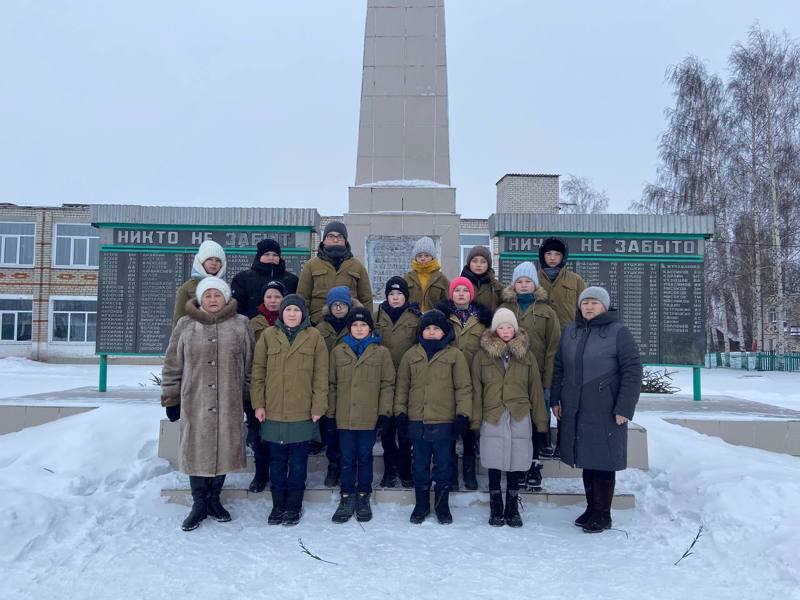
{"points": [[754, 361]]}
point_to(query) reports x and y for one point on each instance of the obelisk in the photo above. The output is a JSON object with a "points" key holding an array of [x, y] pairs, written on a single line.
{"points": [[402, 189]]}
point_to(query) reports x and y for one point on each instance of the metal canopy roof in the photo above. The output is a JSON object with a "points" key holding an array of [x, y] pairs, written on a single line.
{"points": [[602, 223], [203, 216]]}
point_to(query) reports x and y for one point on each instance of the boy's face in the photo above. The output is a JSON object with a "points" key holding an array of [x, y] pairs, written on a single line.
{"points": [[524, 285], [359, 330], [334, 239], [269, 258], [396, 298], [339, 309], [461, 296], [272, 300], [479, 265], [432, 332], [505, 332], [212, 265], [292, 315], [212, 301], [423, 258], [553, 258]]}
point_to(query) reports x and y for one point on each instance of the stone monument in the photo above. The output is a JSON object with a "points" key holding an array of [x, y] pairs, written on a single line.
{"points": [[402, 189]]}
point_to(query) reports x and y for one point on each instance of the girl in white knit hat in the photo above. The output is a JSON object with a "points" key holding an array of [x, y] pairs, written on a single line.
{"points": [[507, 394], [208, 262]]}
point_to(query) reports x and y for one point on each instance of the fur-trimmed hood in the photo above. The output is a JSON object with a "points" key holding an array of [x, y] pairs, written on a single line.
{"points": [[194, 312], [484, 315], [496, 348], [326, 310], [510, 296]]}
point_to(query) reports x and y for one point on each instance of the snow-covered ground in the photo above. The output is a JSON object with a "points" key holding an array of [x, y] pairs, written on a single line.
{"points": [[81, 517]]}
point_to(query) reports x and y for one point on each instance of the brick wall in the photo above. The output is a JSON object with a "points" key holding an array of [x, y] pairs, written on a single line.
{"points": [[528, 193]]}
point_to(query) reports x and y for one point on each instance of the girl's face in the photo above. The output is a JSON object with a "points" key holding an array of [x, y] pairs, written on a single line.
{"points": [[432, 332], [505, 332], [339, 309], [212, 301], [272, 300], [292, 316], [423, 258], [270, 258], [396, 298], [359, 330], [524, 285], [212, 265], [461, 296], [479, 265]]}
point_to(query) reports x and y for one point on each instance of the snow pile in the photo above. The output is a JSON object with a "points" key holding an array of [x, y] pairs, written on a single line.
{"points": [[415, 183]]}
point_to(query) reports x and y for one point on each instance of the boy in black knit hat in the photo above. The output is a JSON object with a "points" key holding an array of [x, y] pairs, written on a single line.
{"points": [[248, 286]]}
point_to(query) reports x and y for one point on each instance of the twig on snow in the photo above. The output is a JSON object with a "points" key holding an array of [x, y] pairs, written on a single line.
{"points": [[49, 470], [314, 556], [688, 551], [622, 530]]}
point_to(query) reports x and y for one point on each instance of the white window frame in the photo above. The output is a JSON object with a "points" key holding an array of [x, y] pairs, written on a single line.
{"points": [[772, 315], [51, 319], [16, 316], [469, 247], [72, 239], [19, 237]]}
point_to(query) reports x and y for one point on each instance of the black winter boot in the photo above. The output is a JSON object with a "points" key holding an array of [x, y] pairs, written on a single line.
{"points": [[389, 479], [422, 508], [363, 508], [406, 480], [332, 476], [588, 482], [215, 508], [600, 518], [294, 507], [199, 487], [454, 474], [346, 508], [258, 484], [470, 476], [533, 479], [496, 518], [442, 506], [278, 508], [512, 516]]}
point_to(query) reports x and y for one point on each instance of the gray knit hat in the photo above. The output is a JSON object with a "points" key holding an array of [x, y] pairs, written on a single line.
{"points": [[427, 245], [525, 269], [335, 227], [595, 293]]}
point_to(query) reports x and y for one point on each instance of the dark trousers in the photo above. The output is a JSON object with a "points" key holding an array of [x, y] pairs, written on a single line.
{"points": [[512, 480], [396, 451], [356, 447], [288, 465], [469, 442], [601, 475], [540, 440], [331, 440], [431, 442], [261, 457], [259, 446]]}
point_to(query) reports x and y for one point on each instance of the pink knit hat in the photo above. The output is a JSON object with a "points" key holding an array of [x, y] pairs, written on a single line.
{"points": [[462, 281]]}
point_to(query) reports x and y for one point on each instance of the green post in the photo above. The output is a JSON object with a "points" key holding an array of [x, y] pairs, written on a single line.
{"points": [[103, 384], [696, 383]]}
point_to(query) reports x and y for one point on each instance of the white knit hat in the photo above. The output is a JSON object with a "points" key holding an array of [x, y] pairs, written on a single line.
{"points": [[212, 283], [208, 249], [525, 269], [504, 316], [427, 245]]}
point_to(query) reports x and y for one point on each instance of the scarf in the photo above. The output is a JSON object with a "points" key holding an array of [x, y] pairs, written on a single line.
{"points": [[525, 300], [431, 347], [464, 314], [424, 272], [393, 313], [270, 315], [477, 280], [291, 332], [335, 322], [358, 346], [335, 255], [551, 272], [270, 270]]}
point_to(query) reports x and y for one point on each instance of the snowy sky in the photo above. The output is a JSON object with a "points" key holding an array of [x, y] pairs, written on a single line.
{"points": [[256, 102]]}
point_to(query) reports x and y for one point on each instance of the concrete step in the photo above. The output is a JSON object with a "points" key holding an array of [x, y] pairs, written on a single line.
{"points": [[404, 497]]}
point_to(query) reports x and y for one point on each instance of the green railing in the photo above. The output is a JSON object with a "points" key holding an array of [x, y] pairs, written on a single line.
{"points": [[755, 361]]}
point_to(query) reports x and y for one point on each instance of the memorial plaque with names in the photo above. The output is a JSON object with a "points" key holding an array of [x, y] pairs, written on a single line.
{"points": [[387, 256]]}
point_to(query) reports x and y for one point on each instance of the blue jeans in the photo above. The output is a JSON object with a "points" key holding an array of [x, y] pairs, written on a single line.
{"points": [[356, 446], [431, 442], [288, 465]]}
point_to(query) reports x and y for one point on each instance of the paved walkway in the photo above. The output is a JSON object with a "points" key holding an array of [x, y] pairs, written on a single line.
{"points": [[712, 406]]}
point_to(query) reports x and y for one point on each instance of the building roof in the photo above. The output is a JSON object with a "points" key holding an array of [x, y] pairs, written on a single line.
{"points": [[181, 215], [601, 223], [527, 175]]}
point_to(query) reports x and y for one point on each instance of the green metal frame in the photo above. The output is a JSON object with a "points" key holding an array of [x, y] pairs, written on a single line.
{"points": [[205, 227], [189, 249]]}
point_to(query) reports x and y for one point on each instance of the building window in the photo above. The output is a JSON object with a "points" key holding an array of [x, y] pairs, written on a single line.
{"points": [[77, 246], [74, 320], [16, 244], [772, 315], [16, 315], [469, 240]]}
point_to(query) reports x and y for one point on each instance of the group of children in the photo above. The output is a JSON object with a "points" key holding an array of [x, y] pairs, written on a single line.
{"points": [[438, 361]]}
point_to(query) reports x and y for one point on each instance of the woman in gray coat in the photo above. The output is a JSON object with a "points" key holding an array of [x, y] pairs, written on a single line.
{"points": [[596, 382]]}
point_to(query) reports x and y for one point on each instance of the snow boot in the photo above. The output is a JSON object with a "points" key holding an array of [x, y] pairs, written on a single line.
{"points": [[346, 508], [389, 479], [496, 518], [258, 484], [406, 480], [422, 508], [533, 478], [215, 508], [363, 508], [511, 514], [332, 476], [278, 507], [600, 517], [470, 477], [588, 483], [442, 507], [199, 487], [294, 507], [454, 474]]}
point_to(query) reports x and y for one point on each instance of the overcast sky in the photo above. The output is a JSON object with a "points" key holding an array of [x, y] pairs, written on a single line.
{"points": [[255, 102]]}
